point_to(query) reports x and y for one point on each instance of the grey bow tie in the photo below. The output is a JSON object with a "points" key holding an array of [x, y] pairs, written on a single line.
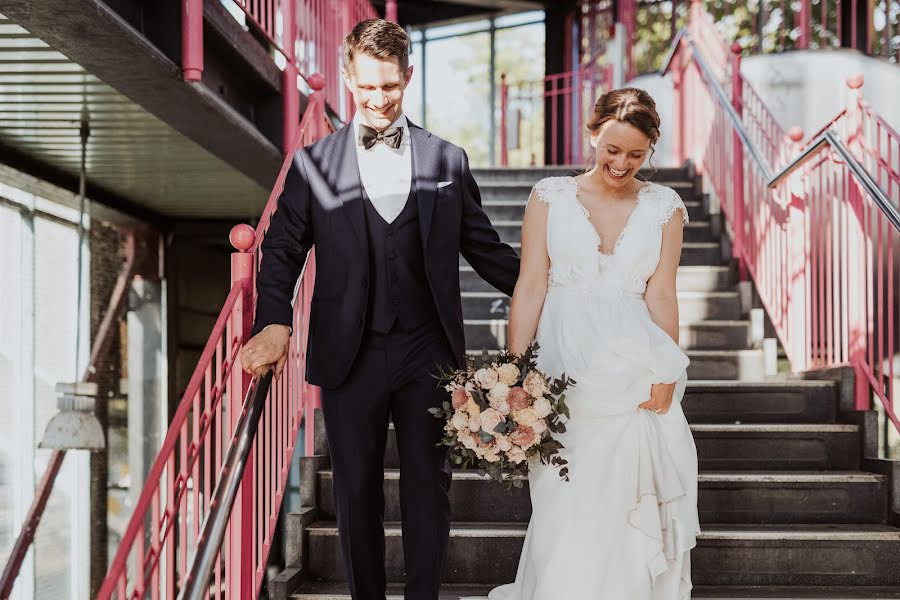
{"points": [[368, 137]]}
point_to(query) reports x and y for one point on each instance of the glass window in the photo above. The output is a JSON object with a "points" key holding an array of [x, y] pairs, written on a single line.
{"points": [[457, 29], [519, 18], [458, 89], [412, 96], [520, 55]]}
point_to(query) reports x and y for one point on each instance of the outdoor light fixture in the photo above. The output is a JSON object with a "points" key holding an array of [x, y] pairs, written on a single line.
{"points": [[74, 427]]}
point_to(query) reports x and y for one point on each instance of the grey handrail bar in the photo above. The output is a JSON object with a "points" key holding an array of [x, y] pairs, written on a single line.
{"points": [[826, 138], [212, 531]]}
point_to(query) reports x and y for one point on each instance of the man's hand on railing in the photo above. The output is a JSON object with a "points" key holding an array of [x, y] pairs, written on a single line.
{"points": [[265, 350]]}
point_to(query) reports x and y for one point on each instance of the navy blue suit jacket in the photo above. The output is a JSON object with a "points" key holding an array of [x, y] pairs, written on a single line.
{"points": [[322, 206]]}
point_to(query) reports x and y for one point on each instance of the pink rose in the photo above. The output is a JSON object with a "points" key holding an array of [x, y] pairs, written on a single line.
{"points": [[523, 436], [468, 440], [459, 398], [535, 385], [490, 418], [486, 378], [517, 398]]}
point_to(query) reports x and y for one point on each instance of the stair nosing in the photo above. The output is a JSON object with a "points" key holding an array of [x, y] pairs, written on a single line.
{"points": [[774, 428], [845, 533]]}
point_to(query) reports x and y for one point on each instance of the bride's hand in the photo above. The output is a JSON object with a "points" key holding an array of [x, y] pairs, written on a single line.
{"points": [[660, 398]]}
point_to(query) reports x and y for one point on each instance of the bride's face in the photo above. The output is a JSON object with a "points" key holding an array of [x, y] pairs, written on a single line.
{"points": [[620, 151]]}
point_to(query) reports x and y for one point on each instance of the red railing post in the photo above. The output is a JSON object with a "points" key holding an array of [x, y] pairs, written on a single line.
{"points": [[805, 25], [290, 92], [798, 257], [856, 301], [737, 166], [678, 110], [191, 39], [240, 542], [390, 10], [504, 106]]}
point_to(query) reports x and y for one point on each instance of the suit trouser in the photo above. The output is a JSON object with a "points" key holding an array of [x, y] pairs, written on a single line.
{"points": [[391, 379]]}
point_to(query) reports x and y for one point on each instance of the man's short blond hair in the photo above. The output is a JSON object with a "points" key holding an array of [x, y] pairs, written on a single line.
{"points": [[377, 38]]}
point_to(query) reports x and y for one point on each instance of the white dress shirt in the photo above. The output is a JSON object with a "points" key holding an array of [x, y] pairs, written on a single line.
{"points": [[385, 173]]}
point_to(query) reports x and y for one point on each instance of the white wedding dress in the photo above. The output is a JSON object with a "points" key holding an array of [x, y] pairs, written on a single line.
{"points": [[622, 528]]}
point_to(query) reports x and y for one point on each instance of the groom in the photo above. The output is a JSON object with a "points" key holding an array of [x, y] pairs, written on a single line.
{"points": [[388, 207]]}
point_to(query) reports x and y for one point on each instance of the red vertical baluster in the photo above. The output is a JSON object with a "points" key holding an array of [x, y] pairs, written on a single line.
{"points": [[192, 39], [504, 107], [737, 167]]}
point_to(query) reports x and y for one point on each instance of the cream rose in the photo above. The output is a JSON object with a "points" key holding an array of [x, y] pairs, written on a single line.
{"points": [[540, 427], [491, 454], [468, 440], [503, 443], [498, 393], [526, 416], [534, 384], [516, 455], [486, 378], [503, 407], [474, 424], [508, 373], [542, 407], [473, 409], [490, 418], [460, 421]]}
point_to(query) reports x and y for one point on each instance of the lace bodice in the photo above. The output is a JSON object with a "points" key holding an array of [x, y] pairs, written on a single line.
{"points": [[573, 242]]}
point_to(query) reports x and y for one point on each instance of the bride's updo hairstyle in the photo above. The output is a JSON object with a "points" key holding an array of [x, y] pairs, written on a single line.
{"points": [[628, 105]]}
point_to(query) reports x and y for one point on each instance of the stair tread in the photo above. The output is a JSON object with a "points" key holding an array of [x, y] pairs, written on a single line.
{"points": [[682, 294], [794, 532], [716, 476], [322, 590], [775, 427], [704, 323]]}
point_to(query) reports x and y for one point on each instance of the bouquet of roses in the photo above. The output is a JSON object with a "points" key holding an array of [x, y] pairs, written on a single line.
{"points": [[502, 412]]}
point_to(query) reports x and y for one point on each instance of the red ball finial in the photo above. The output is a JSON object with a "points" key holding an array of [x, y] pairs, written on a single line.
{"points": [[854, 82], [242, 237], [736, 48], [795, 133], [316, 81]]}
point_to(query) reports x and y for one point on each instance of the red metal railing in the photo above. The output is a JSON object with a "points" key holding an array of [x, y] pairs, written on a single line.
{"points": [[152, 559], [565, 100], [821, 237], [307, 33]]}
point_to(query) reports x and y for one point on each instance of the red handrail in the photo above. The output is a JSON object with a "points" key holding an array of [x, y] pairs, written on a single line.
{"points": [[161, 536], [821, 239], [567, 98]]}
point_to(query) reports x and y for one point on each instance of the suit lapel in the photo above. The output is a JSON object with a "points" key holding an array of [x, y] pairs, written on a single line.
{"points": [[347, 183], [426, 171]]}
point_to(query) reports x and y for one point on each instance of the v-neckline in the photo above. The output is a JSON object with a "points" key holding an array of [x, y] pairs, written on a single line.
{"points": [[587, 215]]}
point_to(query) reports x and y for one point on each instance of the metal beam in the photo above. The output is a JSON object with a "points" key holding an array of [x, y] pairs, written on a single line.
{"points": [[123, 58]]}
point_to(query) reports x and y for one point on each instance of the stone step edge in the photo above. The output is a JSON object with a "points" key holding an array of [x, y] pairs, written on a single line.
{"points": [[780, 477], [710, 533], [765, 428], [685, 295]]}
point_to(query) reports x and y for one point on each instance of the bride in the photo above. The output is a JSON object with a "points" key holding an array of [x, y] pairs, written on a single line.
{"points": [[600, 252]]}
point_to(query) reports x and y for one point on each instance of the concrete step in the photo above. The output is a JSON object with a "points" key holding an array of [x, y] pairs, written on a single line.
{"points": [[760, 402], [720, 365], [507, 202], [692, 306], [698, 278], [531, 175], [703, 335], [755, 447], [822, 555], [724, 497], [327, 590], [511, 231]]}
